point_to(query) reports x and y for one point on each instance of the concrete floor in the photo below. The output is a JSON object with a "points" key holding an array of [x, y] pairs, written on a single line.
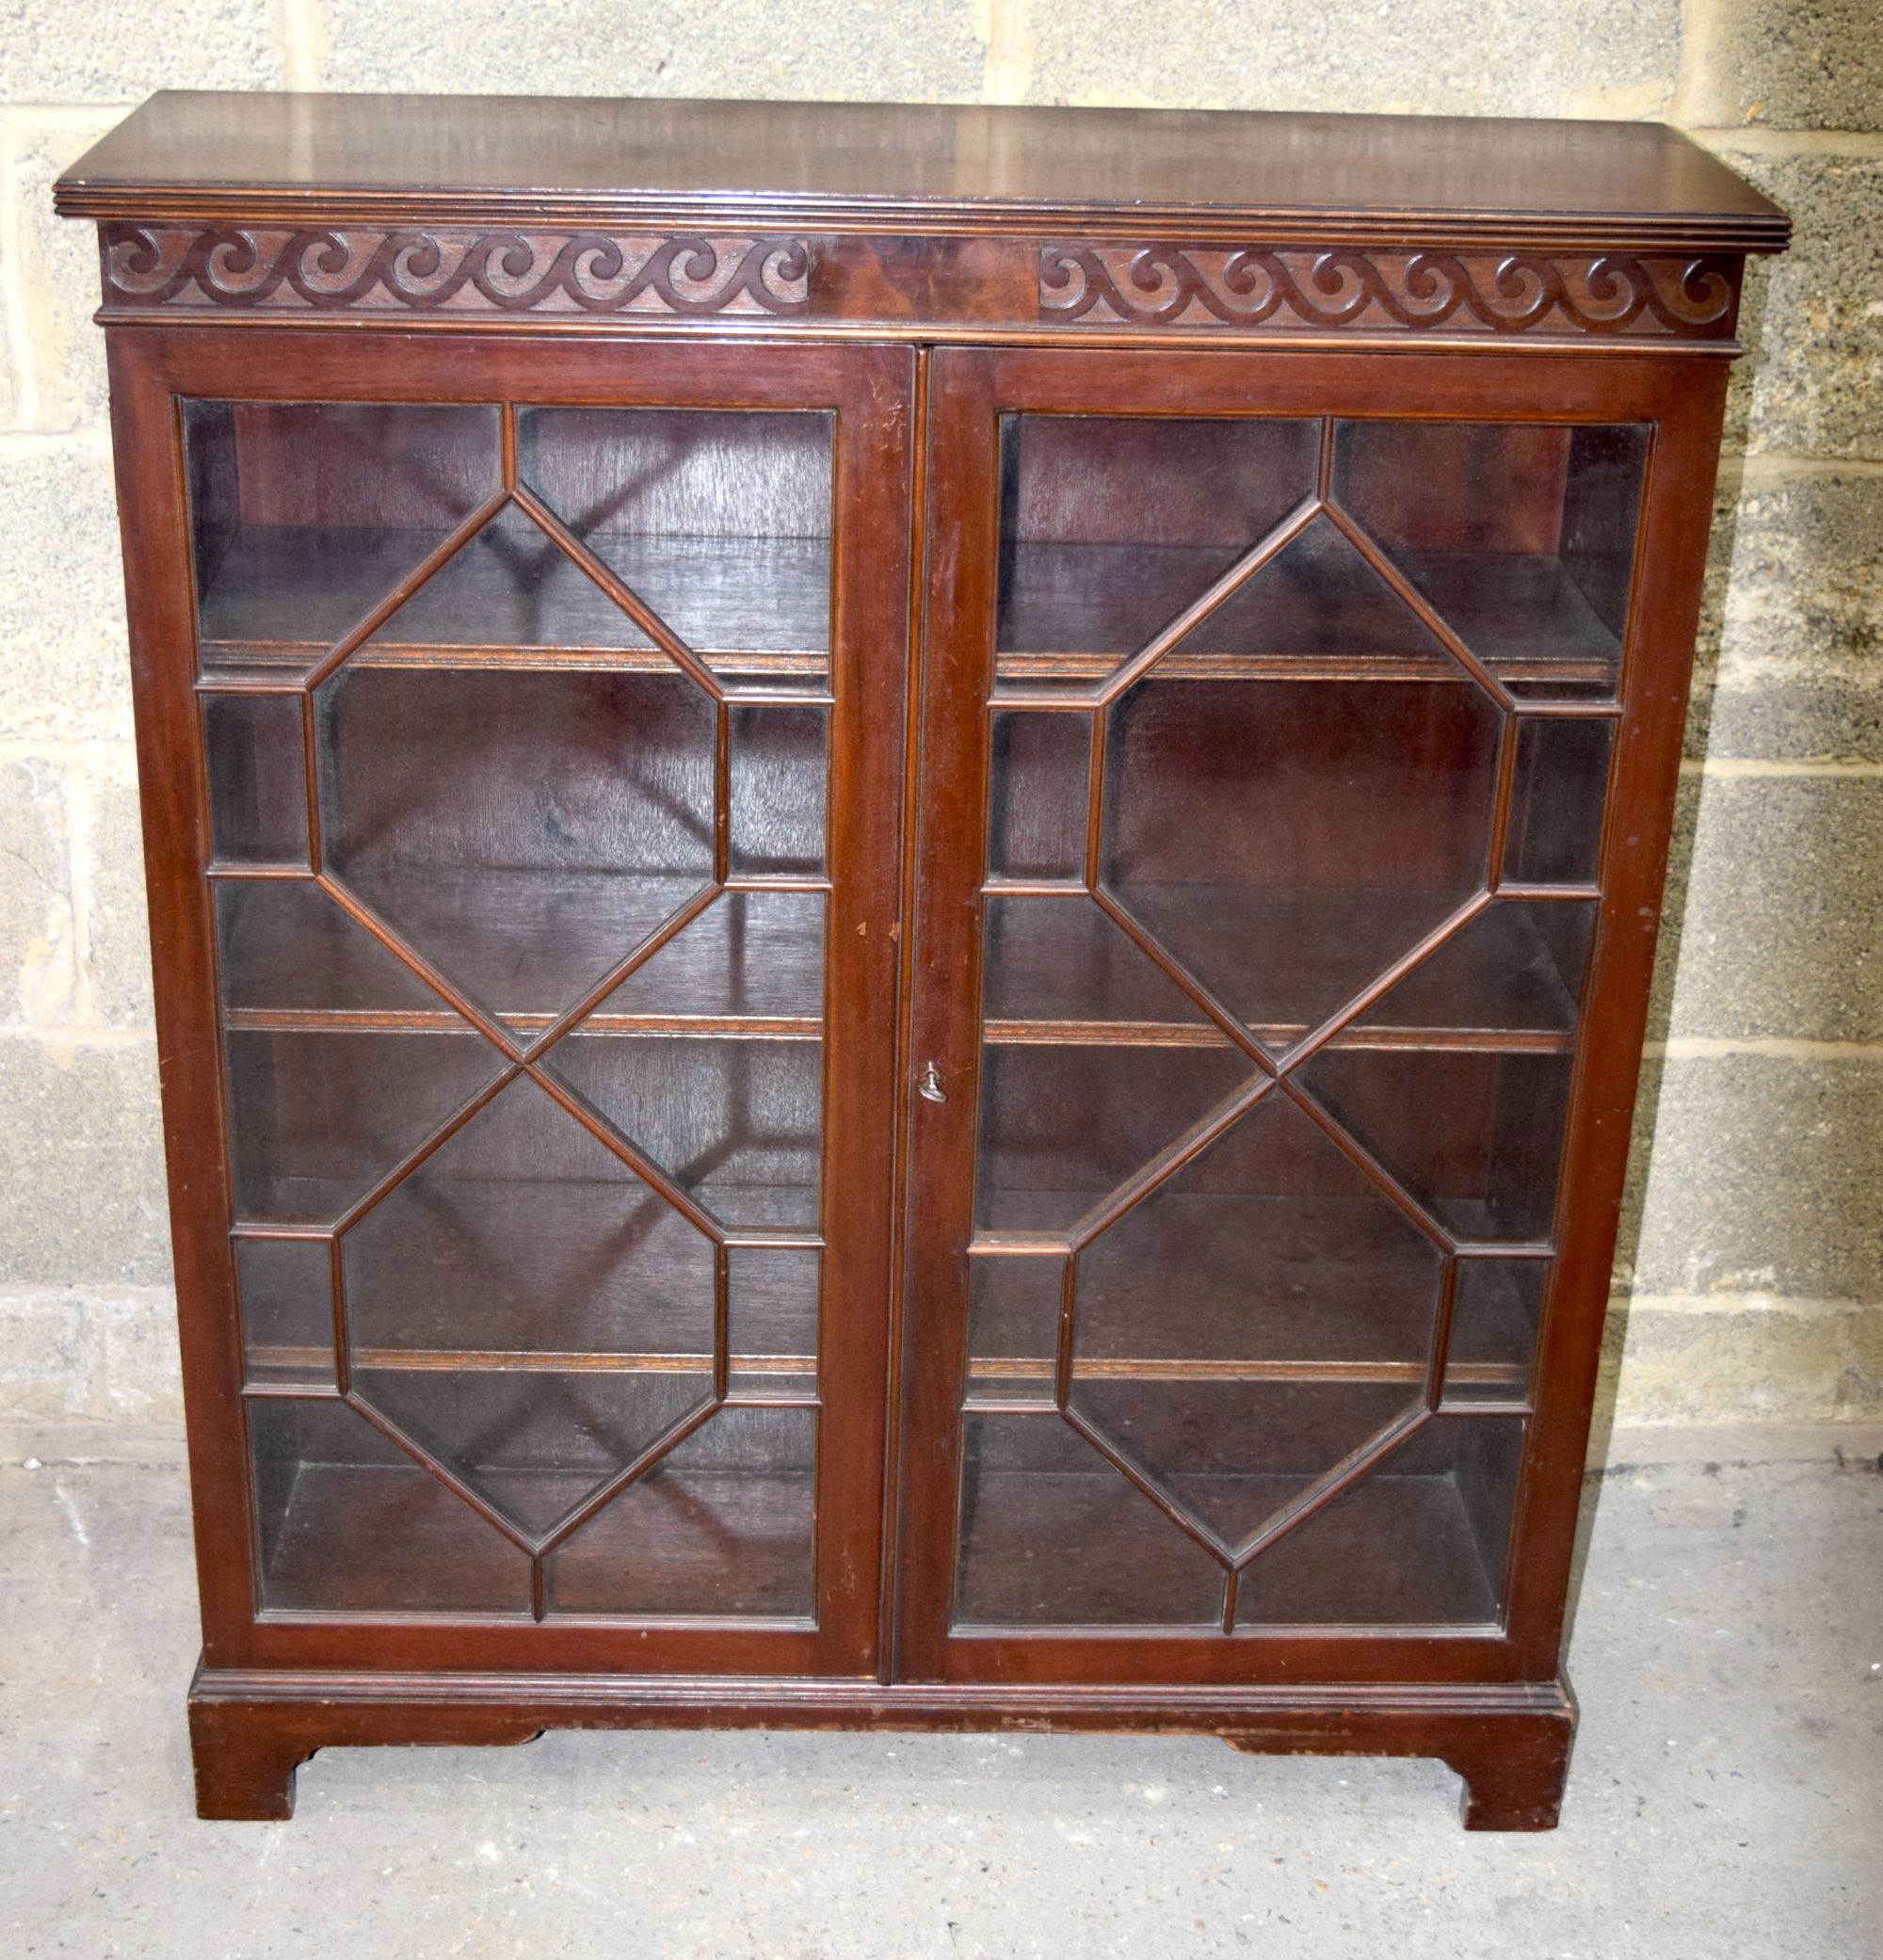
{"points": [[1725, 1798]]}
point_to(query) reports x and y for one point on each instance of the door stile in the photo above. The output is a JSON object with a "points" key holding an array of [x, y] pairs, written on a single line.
{"points": [[960, 531], [869, 677]]}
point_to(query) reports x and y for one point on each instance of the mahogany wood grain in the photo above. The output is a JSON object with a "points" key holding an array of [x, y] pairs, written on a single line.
{"points": [[904, 866], [914, 168]]}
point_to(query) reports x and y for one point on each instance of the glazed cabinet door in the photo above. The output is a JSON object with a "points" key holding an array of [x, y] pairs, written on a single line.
{"points": [[1272, 710], [527, 970]]}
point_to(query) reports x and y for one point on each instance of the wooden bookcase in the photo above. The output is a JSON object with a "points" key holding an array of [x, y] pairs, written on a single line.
{"points": [[902, 865]]}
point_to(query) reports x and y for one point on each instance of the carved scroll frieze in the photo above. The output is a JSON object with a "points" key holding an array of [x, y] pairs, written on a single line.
{"points": [[441, 270], [1157, 285]]}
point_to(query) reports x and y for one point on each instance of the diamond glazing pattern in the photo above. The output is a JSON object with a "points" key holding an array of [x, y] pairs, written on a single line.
{"points": [[1126, 1258], [490, 1417]]}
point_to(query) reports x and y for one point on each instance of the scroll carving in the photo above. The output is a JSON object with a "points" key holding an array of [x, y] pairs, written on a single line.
{"points": [[447, 270], [1156, 285]]}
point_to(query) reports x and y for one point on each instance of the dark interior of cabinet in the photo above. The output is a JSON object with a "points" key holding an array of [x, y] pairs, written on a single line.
{"points": [[455, 783], [1273, 701], [1298, 750]]}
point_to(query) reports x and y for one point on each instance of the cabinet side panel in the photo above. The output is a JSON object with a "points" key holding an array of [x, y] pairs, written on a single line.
{"points": [[1670, 563], [154, 517]]}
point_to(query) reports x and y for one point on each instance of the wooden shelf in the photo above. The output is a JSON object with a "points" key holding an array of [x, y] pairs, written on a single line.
{"points": [[1072, 612], [292, 1204], [1061, 972], [359, 1538], [1409, 1557], [282, 595], [751, 967], [526, 945]]}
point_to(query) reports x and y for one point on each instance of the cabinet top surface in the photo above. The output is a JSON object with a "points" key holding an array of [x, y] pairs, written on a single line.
{"points": [[895, 167]]}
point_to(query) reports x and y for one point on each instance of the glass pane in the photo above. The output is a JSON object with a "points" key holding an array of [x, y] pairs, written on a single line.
{"points": [[772, 1320], [733, 1116], [719, 522], [1561, 780], [1496, 1311], [1231, 1452], [1520, 536], [1013, 1327], [257, 782], [1287, 842], [1038, 786], [528, 1311], [1268, 1250], [1457, 1080], [721, 1526], [285, 1287], [1094, 1062], [319, 1114], [1420, 1540], [1319, 609], [528, 803], [348, 1522], [1111, 526], [779, 769], [304, 515], [287, 949], [522, 831], [1052, 1534], [511, 594]]}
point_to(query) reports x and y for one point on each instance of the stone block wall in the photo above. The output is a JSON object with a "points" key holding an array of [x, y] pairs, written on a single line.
{"points": [[1751, 1280]]}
